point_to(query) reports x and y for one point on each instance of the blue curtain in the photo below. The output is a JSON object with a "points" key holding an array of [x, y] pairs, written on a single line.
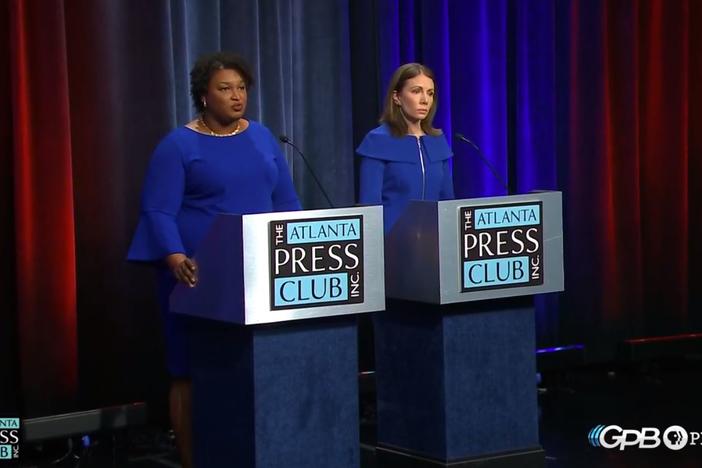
{"points": [[597, 99], [495, 66]]}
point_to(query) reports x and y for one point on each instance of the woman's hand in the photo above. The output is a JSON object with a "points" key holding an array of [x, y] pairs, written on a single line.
{"points": [[183, 268]]}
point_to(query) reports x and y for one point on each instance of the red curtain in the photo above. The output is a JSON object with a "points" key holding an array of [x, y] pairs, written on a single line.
{"points": [[695, 162], [630, 130], [663, 153], [80, 327], [44, 233], [8, 323]]}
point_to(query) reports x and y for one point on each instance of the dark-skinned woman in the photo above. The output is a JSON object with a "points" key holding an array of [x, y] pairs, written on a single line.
{"points": [[220, 162]]}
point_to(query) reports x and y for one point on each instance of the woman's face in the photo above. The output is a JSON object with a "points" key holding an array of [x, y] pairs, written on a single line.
{"points": [[415, 98], [226, 96]]}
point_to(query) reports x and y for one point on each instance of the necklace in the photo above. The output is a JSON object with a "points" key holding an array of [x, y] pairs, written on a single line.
{"points": [[236, 130]]}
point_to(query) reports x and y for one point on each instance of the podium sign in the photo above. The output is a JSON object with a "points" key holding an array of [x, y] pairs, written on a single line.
{"points": [[286, 393], [475, 249], [469, 397], [274, 267], [316, 261], [502, 246]]}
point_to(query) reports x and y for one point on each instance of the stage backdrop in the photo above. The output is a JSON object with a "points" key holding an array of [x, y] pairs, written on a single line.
{"points": [[90, 88], [598, 99]]}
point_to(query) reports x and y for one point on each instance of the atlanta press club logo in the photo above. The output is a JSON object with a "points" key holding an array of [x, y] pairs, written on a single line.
{"points": [[615, 437], [9, 438], [316, 262]]}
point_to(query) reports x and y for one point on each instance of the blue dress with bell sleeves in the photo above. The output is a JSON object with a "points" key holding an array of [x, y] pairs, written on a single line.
{"points": [[191, 178], [395, 170]]}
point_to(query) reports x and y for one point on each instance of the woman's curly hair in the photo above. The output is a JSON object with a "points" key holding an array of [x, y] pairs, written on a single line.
{"points": [[205, 67]]}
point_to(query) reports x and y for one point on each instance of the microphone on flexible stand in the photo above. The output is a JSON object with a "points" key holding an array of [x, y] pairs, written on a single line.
{"points": [[485, 160], [288, 141]]}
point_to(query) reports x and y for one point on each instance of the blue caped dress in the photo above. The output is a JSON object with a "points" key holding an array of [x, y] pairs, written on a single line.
{"points": [[395, 170], [191, 178]]}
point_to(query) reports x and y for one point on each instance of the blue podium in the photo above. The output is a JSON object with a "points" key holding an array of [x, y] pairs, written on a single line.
{"points": [[455, 350], [273, 337]]}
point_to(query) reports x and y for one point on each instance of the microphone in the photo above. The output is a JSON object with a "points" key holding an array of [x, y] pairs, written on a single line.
{"points": [[288, 141], [485, 160]]}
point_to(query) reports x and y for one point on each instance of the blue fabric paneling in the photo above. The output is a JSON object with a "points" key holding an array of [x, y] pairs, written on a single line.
{"points": [[278, 395], [457, 381]]}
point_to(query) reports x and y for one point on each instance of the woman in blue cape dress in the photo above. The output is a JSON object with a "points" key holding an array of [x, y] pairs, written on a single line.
{"points": [[405, 158]]}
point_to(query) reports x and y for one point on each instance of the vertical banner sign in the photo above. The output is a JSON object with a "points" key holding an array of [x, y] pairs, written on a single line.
{"points": [[9, 438], [501, 246], [316, 262]]}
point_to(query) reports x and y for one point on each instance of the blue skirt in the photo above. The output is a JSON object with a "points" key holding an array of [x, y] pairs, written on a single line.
{"points": [[174, 329]]}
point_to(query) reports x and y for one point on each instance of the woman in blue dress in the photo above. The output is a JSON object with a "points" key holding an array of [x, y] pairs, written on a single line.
{"points": [[220, 162], [405, 158]]}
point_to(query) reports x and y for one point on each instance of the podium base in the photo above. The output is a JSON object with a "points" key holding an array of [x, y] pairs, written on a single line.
{"points": [[457, 382], [280, 395], [387, 457]]}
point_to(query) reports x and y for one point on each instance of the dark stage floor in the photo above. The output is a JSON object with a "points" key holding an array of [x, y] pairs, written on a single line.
{"points": [[571, 404]]}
